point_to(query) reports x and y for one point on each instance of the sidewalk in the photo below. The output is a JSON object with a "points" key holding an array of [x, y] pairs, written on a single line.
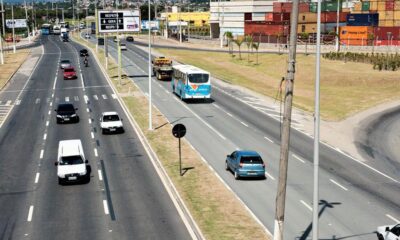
{"points": [[8, 46], [339, 135]]}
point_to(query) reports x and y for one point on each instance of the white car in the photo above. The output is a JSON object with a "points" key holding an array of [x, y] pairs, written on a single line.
{"points": [[87, 36], [110, 122], [71, 163], [390, 232], [123, 46]]}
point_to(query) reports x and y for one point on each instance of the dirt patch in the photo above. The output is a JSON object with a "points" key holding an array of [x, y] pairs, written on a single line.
{"points": [[11, 64]]}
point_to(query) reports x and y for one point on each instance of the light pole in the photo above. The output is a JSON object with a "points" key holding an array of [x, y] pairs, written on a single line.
{"points": [[149, 73], [1, 35], [27, 28], [13, 28], [337, 27]]}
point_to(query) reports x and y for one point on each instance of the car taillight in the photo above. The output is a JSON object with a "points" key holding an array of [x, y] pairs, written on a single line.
{"points": [[263, 165], [241, 165]]}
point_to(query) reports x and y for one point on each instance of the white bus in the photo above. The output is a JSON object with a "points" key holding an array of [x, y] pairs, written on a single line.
{"points": [[190, 82]]}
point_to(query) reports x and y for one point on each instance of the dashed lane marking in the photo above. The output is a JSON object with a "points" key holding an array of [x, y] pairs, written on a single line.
{"points": [[100, 175], [95, 97], [298, 158], [268, 139], [305, 204], [393, 218], [104, 96], [41, 154], [37, 178], [337, 184], [30, 213], [105, 205]]}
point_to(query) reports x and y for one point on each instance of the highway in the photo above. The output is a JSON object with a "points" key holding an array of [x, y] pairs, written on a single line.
{"points": [[355, 197], [125, 198]]}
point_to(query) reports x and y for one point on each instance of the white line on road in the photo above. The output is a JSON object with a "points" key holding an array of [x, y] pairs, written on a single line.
{"points": [[83, 84], [270, 176], [104, 96], [45, 136], [392, 218], [37, 177], [230, 115], [100, 175], [90, 121], [269, 139], [114, 96], [67, 99], [298, 158], [49, 112], [305, 204], [41, 153], [47, 123], [18, 102], [244, 124], [338, 184], [87, 109], [51, 104], [54, 85], [52, 95], [8, 103], [92, 134], [37, 100], [30, 213], [105, 205], [215, 105], [86, 99], [76, 98], [95, 152], [95, 97]]}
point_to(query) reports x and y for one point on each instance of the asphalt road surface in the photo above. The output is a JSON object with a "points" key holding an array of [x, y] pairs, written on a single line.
{"points": [[125, 198], [355, 197]]}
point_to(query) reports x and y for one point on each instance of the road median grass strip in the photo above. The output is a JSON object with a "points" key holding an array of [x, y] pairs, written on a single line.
{"points": [[216, 210], [12, 62]]}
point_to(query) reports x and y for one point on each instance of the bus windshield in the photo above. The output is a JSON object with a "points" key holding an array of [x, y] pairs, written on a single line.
{"points": [[198, 78]]}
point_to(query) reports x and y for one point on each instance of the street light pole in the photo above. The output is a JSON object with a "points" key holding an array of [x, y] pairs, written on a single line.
{"points": [[13, 28], [2, 17], [149, 72], [337, 27], [27, 27], [1, 35]]}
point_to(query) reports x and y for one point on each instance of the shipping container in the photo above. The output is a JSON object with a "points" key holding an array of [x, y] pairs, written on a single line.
{"points": [[389, 15], [354, 42], [265, 28], [304, 7], [387, 23], [381, 6], [373, 6], [389, 5], [282, 7], [268, 17], [326, 6], [396, 15], [280, 17], [363, 19], [357, 7], [387, 33], [312, 27], [355, 32], [397, 5], [365, 6], [307, 17], [387, 42], [329, 17], [346, 10]]}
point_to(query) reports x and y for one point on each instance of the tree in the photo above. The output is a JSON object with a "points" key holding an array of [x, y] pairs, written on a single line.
{"points": [[256, 46], [229, 36], [249, 42], [239, 40]]}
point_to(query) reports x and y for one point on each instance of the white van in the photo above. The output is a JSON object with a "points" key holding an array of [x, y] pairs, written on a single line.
{"points": [[71, 162]]}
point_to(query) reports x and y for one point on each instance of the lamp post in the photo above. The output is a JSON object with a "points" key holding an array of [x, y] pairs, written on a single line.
{"points": [[27, 28], [1, 35], [13, 28], [337, 27], [149, 72]]}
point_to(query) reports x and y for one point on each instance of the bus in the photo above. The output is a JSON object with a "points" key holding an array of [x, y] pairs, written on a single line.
{"points": [[57, 30], [46, 29], [190, 82]]}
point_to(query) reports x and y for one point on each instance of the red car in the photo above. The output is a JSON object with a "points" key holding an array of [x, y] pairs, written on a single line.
{"points": [[69, 73]]}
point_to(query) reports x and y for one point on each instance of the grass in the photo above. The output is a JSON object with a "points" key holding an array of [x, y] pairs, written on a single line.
{"points": [[215, 209], [11, 64], [346, 88]]}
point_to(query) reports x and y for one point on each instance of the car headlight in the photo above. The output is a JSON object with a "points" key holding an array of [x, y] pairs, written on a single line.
{"points": [[59, 116], [73, 115], [82, 173]]}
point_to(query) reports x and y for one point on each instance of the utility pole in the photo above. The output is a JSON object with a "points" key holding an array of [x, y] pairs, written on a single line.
{"points": [[285, 137], [13, 28], [1, 35], [149, 72], [2, 17], [27, 27], [337, 26]]}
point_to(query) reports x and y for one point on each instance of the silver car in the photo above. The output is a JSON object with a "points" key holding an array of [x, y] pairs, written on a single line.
{"points": [[65, 64]]}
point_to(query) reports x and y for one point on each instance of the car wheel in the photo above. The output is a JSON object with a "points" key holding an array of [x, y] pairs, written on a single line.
{"points": [[77, 119], [60, 181], [226, 166], [237, 177], [380, 237], [103, 131]]}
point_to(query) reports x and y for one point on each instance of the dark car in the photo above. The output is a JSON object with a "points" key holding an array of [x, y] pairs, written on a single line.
{"points": [[66, 112], [84, 52], [100, 41], [245, 164], [129, 39]]}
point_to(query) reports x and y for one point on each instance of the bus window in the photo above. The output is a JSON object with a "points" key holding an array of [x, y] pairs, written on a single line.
{"points": [[198, 78]]}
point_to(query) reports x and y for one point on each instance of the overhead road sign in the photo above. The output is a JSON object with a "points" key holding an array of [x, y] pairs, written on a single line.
{"points": [[118, 21], [16, 23]]}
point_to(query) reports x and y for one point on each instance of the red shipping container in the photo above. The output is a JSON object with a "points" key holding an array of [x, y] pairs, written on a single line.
{"points": [[304, 7], [387, 33], [387, 42], [259, 27], [280, 7], [389, 5], [277, 7], [330, 17], [281, 17], [269, 17]]}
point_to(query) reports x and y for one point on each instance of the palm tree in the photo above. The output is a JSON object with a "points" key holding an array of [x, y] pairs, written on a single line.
{"points": [[239, 40], [229, 36], [249, 43]]}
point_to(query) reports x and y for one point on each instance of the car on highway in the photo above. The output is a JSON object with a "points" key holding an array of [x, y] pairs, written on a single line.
{"points": [[389, 232], [245, 163], [100, 41], [83, 52], [65, 63], [69, 73], [66, 112], [110, 122], [87, 36], [71, 163], [129, 39], [123, 47]]}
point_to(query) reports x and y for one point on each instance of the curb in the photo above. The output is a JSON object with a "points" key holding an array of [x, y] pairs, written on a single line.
{"points": [[16, 70]]}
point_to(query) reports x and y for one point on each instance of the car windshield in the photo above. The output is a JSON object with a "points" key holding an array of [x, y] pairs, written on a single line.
{"points": [[251, 160], [65, 61], [110, 118], [69, 70], [84, 51], [198, 78], [71, 160], [64, 108]]}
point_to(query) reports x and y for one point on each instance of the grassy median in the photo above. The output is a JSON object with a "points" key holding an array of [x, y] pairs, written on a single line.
{"points": [[215, 209], [11, 64], [346, 88]]}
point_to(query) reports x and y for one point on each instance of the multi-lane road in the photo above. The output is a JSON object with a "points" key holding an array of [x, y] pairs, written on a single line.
{"points": [[356, 197], [125, 198]]}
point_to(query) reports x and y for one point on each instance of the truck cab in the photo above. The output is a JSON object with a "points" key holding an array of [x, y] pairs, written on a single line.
{"points": [[162, 67]]}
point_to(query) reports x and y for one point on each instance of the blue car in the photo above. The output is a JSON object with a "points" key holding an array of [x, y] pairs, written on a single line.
{"points": [[245, 164]]}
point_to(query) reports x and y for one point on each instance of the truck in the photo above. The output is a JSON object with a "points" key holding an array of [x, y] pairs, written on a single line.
{"points": [[162, 68]]}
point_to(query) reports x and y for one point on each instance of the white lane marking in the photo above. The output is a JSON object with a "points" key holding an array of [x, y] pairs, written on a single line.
{"points": [[393, 218], [305, 204], [92, 134], [86, 98], [298, 158], [100, 175], [333, 181], [270, 176], [268, 139], [37, 100], [76, 98], [49, 112], [104, 96], [215, 105], [8, 103], [95, 97], [47, 123], [67, 99], [54, 85], [45, 136], [30, 213], [18, 102], [230, 115], [37, 177], [114, 96], [41, 153], [83, 84], [95, 152], [87, 109], [52, 95], [90, 121], [51, 104], [244, 124], [105, 205]]}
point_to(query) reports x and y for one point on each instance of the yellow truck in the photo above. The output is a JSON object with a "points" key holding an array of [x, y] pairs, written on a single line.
{"points": [[162, 68]]}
